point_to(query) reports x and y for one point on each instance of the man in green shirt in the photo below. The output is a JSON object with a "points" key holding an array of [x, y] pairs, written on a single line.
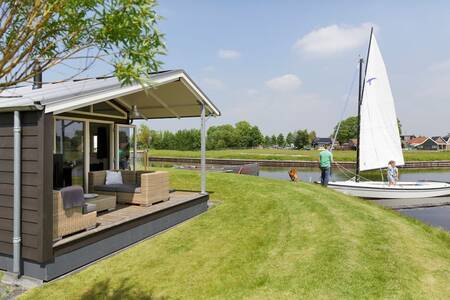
{"points": [[326, 159]]}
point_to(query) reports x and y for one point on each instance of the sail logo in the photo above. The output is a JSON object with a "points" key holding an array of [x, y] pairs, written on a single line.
{"points": [[369, 81]]}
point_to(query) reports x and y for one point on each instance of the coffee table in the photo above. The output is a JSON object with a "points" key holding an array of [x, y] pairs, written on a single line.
{"points": [[103, 202]]}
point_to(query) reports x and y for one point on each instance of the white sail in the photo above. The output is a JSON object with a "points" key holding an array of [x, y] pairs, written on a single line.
{"points": [[379, 136]]}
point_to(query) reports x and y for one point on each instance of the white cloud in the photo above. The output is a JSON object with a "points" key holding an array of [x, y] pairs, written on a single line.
{"points": [[213, 83], [228, 54], [333, 39], [285, 83]]}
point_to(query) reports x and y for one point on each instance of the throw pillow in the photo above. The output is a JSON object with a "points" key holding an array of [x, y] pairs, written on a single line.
{"points": [[113, 177]]}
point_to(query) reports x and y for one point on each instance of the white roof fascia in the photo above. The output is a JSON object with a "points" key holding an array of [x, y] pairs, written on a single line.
{"points": [[80, 101], [201, 97], [84, 100]]}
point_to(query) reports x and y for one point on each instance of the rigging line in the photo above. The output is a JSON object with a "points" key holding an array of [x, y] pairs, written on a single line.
{"points": [[353, 174], [346, 173], [381, 172], [345, 107]]}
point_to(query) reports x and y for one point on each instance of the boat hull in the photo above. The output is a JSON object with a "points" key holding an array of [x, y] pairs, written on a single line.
{"points": [[402, 190]]}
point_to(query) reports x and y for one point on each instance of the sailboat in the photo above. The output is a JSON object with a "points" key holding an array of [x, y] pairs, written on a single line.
{"points": [[379, 137]]}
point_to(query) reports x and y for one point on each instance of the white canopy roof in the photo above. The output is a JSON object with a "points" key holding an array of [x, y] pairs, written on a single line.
{"points": [[171, 94]]}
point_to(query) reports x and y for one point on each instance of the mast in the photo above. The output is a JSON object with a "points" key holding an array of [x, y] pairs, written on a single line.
{"points": [[360, 99], [361, 61]]}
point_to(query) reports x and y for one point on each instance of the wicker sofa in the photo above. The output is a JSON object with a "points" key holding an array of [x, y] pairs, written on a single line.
{"points": [[67, 221], [139, 187]]}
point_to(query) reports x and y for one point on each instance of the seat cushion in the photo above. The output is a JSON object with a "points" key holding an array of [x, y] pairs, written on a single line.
{"points": [[121, 188], [89, 207]]}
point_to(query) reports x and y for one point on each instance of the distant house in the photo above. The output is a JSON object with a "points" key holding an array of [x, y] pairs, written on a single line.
{"points": [[442, 144], [447, 141], [405, 139], [350, 145], [423, 143], [321, 142]]}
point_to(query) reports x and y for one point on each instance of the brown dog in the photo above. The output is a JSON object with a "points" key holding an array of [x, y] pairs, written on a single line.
{"points": [[293, 174]]}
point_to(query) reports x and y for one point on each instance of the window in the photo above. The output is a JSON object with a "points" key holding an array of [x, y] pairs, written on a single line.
{"points": [[100, 146], [125, 145], [68, 159]]}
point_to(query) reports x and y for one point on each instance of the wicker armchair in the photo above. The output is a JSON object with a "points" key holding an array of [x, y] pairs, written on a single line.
{"points": [[67, 221], [139, 187]]}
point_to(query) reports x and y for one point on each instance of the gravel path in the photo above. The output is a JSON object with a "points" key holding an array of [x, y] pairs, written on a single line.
{"points": [[8, 292]]}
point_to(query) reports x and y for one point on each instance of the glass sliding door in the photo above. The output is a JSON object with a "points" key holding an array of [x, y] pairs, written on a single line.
{"points": [[125, 147], [68, 158], [100, 146]]}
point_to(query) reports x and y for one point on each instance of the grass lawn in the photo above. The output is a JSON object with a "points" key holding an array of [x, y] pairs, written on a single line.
{"points": [[275, 154], [272, 239]]}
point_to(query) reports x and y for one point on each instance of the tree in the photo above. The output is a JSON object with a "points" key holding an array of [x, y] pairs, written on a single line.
{"points": [[267, 141], [143, 137], [256, 137], [248, 136], [312, 135], [347, 131], [273, 140], [221, 137], [244, 134], [43, 34], [290, 139], [167, 140], [302, 139], [187, 139], [280, 140]]}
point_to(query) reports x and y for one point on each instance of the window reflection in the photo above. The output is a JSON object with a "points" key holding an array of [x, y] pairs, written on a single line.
{"points": [[126, 148], [68, 158]]}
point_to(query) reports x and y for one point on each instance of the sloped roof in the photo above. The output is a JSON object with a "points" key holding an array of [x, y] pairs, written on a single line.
{"points": [[169, 94], [438, 140], [322, 140], [418, 140]]}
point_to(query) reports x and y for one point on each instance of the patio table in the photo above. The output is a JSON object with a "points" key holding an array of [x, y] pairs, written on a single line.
{"points": [[103, 202]]}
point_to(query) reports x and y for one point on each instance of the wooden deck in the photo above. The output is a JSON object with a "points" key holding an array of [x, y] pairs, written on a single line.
{"points": [[125, 213]]}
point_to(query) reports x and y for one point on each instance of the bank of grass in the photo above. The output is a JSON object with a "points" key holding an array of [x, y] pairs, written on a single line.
{"points": [[280, 154], [272, 239]]}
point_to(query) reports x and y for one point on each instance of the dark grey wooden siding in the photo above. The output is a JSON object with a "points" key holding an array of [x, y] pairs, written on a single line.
{"points": [[37, 172], [428, 145]]}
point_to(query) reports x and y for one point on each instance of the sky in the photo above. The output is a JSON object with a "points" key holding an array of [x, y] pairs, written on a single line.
{"points": [[289, 65]]}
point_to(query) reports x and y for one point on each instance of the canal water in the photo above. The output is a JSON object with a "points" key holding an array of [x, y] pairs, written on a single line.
{"points": [[436, 216], [313, 174]]}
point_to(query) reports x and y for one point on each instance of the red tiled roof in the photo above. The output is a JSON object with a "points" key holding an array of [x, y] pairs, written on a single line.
{"points": [[418, 140]]}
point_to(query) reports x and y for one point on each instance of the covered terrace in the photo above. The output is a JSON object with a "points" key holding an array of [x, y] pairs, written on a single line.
{"points": [[69, 134]]}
